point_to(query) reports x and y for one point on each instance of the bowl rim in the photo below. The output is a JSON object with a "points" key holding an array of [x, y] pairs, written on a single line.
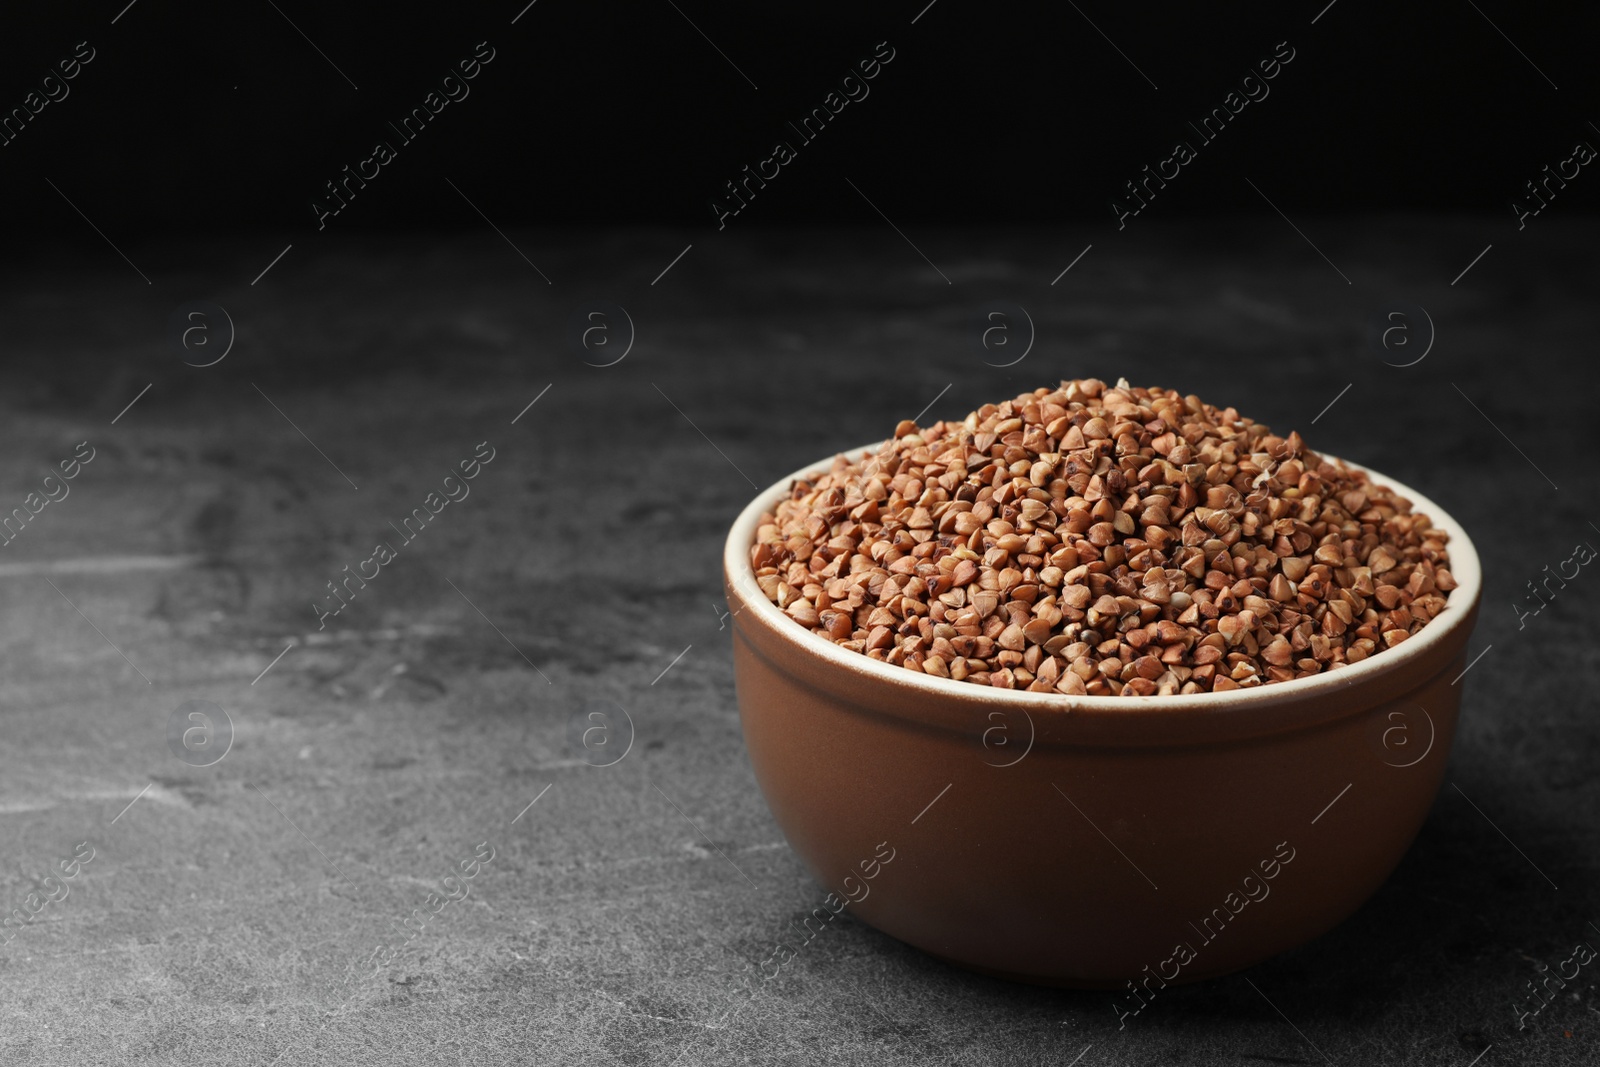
{"points": [[1462, 601]]}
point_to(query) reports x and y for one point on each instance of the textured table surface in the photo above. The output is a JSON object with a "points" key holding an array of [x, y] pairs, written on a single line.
{"points": [[231, 913]]}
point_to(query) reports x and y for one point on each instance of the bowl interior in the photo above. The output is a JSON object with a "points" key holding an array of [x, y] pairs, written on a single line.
{"points": [[1464, 566]]}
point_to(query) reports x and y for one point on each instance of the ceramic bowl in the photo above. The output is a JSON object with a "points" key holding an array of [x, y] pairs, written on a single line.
{"points": [[1095, 841]]}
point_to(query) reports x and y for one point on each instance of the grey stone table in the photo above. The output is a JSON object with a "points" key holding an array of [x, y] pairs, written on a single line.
{"points": [[249, 911]]}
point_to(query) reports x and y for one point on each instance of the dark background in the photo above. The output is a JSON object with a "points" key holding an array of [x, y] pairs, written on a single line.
{"points": [[195, 116], [228, 904]]}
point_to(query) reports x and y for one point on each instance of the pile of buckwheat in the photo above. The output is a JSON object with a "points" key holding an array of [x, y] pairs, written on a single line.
{"points": [[1097, 540]]}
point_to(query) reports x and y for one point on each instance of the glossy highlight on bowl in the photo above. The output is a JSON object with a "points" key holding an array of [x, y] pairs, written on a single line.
{"points": [[1097, 841]]}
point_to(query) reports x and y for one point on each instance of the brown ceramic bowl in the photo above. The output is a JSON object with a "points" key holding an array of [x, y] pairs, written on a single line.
{"points": [[1090, 841]]}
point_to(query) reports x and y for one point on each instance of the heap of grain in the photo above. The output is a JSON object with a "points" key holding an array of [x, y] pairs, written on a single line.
{"points": [[1102, 541]]}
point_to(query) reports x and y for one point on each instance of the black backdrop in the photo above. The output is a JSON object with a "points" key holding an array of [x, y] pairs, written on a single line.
{"points": [[195, 117], [377, 352]]}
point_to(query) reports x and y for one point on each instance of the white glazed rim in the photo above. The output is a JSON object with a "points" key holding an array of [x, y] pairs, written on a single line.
{"points": [[1464, 566]]}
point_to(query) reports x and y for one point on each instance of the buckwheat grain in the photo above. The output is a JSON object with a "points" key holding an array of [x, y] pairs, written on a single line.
{"points": [[1096, 540]]}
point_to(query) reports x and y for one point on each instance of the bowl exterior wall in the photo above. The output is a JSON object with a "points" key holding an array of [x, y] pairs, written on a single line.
{"points": [[1058, 858]]}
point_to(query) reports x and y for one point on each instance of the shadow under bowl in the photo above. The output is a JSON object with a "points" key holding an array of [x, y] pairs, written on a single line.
{"points": [[1093, 841]]}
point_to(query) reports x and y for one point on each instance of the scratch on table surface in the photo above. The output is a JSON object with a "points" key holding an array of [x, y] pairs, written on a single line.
{"points": [[155, 791], [98, 565], [686, 850], [612, 997], [16, 807], [386, 633]]}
